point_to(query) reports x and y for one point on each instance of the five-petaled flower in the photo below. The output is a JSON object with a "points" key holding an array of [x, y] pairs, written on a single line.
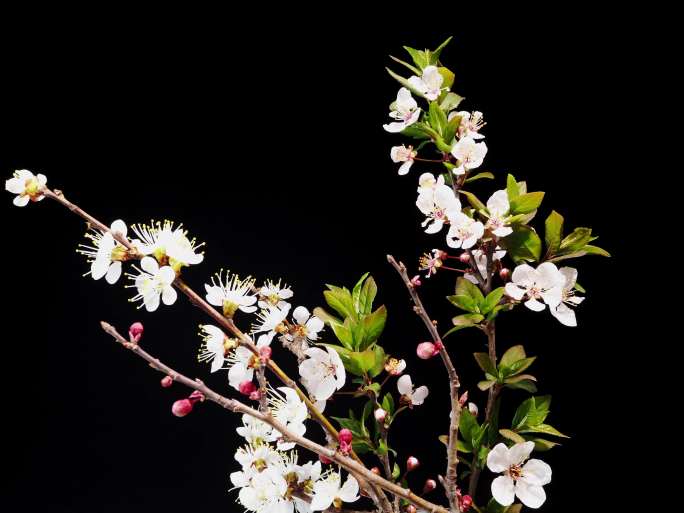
{"points": [[215, 346], [153, 283], [288, 409], [231, 293], [106, 253], [524, 481], [498, 207], [26, 186], [436, 205], [272, 320], [464, 231], [563, 312], [429, 84], [410, 396], [243, 361], [329, 491], [405, 109], [405, 155], [470, 124], [470, 154], [306, 326], [168, 244], [274, 294], [545, 283], [322, 373]]}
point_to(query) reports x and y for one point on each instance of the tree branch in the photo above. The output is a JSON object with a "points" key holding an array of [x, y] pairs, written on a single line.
{"points": [[235, 406], [225, 322], [454, 385]]}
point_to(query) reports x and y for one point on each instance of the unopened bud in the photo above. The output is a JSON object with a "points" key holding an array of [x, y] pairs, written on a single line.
{"points": [[345, 437], [247, 388], [430, 484], [439, 346], [442, 255], [166, 381], [135, 332], [375, 471], [255, 396], [196, 396], [426, 350], [324, 459], [473, 409], [412, 463], [464, 257], [463, 399], [505, 273], [380, 415], [415, 281], [265, 353], [411, 509], [466, 503], [181, 407]]}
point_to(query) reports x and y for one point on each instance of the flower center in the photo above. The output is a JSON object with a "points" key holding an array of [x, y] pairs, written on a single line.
{"points": [[515, 471], [229, 307], [300, 331], [32, 187]]}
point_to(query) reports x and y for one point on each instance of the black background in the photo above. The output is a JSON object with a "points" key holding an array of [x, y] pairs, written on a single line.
{"points": [[269, 146]]}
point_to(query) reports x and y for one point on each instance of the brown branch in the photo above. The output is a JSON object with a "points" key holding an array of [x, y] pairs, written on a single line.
{"points": [[454, 385], [349, 464], [225, 322]]}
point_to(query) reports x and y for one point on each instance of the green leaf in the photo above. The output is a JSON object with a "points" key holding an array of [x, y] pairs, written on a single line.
{"points": [[525, 203], [543, 445], [450, 130], [447, 75], [419, 57], [382, 448], [438, 120], [545, 429], [542, 404], [412, 68], [467, 288], [526, 385], [380, 358], [416, 131], [433, 56], [468, 425], [361, 446], [576, 241], [480, 176], [344, 335], [485, 363], [396, 471], [464, 303], [367, 410], [512, 355], [492, 300], [523, 245], [388, 403], [464, 321], [472, 199], [450, 102], [512, 187], [519, 366], [553, 232], [373, 325], [595, 250], [522, 412], [340, 300], [485, 385], [512, 435]]}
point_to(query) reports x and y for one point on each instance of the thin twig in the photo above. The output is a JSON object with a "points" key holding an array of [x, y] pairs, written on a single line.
{"points": [[454, 385], [235, 406]]}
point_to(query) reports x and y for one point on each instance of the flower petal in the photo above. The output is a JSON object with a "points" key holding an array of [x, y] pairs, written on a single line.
{"points": [[114, 273], [419, 395], [520, 452], [531, 495], [503, 490], [404, 385], [537, 472], [497, 459]]}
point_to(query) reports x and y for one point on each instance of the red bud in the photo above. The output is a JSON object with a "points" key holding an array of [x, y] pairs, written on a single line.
{"points": [[466, 503], [181, 407], [166, 381], [415, 281], [324, 459], [411, 509], [247, 388], [135, 332], [505, 274], [430, 484], [464, 257], [412, 463], [380, 415]]}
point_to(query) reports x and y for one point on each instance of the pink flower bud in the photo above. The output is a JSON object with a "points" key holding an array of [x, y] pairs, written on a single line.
{"points": [[412, 463], [426, 350], [345, 438], [181, 407], [380, 415], [430, 484], [505, 274], [265, 353], [463, 399], [375, 471], [464, 257], [415, 281], [255, 396], [465, 503], [442, 255], [439, 346], [247, 388], [196, 396], [135, 332], [166, 381], [473, 409], [324, 459], [411, 509]]}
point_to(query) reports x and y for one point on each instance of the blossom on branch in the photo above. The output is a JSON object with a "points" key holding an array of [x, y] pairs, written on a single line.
{"points": [[470, 154], [329, 491], [464, 231], [545, 283], [436, 205], [242, 362], [563, 312], [307, 326], [168, 244], [429, 83], [322, 373], [410, 396], [232, 293], [106, 254], [405, 109], [498, 207], [154, 283], [273, 294], [405, 155], [26, 186]]}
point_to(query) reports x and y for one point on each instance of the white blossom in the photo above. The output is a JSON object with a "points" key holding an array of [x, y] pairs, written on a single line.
{"points": [[464, 231], [427, 183], [105, 255], [231, 293], [405, 109], [329, 491], [153, 283], [215, 345], [168, 244], [563, 312], [408, 394], [435, 205], [470, 124], [26, 186], [429, 83], [523, 481], [272, 320], [405, 155], [255, 431], [322, 373], [498, 207], [545, 283], [469, 153], [481, 262], [242, 362], [306, 325], [431, 262], [274, 294], [265, 493], [289, 409]]}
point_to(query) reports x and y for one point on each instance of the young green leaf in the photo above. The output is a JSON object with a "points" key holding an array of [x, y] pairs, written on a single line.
{"points": [[480, 176], [512, 187], [412, 68], [466, 288], [466, 303], [526, 203], [373, 325], [553, 232], [523, 245], [438, 120], [486, 363], [419, 57], [450, 102], [544, 429], [473, 200], [340, 300], [404, 82], [512, 436], [492, 300], [576, 241], [512, 355], [433, 56]]}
